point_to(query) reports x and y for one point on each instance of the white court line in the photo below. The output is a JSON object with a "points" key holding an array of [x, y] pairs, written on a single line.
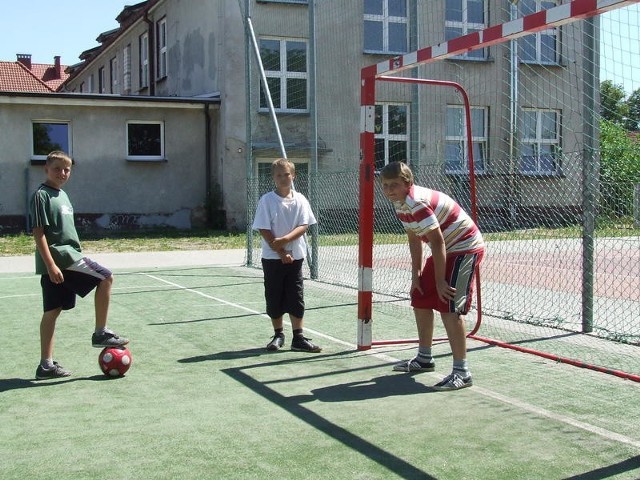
{"points": [[482, 391]]}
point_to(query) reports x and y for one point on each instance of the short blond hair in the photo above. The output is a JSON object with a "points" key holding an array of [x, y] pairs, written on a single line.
{"points": [[283, 163], [59, 155], [399, 170]]}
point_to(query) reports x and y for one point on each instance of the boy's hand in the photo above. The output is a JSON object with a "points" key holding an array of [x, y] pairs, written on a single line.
{"points": [[55, 274], [415, 284], [278, 243], [286, 257], [445, 291]]}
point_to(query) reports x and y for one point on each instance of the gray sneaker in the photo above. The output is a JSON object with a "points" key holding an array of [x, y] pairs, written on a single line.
{"points": [[58, 371], [108, 339], [453, 381]]}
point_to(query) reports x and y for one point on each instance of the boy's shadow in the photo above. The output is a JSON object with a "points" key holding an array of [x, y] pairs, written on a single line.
{"points": [[378, 387], [7, 384]]}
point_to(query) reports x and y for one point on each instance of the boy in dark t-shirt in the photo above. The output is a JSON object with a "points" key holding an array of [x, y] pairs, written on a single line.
{"points": [[65, 271]]}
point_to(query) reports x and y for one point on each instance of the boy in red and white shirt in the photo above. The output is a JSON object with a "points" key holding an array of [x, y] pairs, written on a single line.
{"points": [[445, 281]]}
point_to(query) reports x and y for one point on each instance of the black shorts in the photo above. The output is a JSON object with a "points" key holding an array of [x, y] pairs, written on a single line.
{"points": [[283, 288], [79, 279]]}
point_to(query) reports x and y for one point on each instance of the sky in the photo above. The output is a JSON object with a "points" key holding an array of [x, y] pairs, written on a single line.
{"points": [[46, 28]]}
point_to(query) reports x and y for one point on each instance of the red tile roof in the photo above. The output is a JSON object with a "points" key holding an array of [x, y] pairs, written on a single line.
{"points": [[42, 78]]}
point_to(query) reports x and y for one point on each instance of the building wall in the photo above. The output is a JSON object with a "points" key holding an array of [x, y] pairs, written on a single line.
{"points": [[207, 50], [104, 187]]}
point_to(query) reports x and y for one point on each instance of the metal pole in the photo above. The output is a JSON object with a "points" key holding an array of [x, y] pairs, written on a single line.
{"points": [[590, 168], [249, 144], [313, 177], [513, 119], [263, 77]]}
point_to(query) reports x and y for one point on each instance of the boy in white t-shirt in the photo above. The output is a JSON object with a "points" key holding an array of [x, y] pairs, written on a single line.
{"points": [[282, 217]]}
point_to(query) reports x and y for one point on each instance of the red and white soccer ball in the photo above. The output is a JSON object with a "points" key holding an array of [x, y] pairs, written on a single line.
{"points": [[115, 361]]}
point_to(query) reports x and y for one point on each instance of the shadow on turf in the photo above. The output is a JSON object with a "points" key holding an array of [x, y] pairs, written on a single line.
{"points": [[610, 470], [7, 384], [400, 467]]}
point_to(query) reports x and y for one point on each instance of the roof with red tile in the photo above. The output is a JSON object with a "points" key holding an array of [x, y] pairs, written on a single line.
{"points": [[42, 77]]}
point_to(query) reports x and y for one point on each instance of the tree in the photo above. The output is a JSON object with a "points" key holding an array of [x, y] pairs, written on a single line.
{"points": [[619, 168], [633, 117], [612, 102]]}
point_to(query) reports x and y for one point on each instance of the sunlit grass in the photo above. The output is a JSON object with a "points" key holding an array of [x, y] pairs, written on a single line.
{"points": [[201, 239]]}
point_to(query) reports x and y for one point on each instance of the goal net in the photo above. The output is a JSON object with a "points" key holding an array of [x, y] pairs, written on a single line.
{"points": [[554, 91]]}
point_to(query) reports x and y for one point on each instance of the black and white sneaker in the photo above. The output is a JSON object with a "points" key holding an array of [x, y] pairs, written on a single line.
{"points": [[58, 371], [108, 339], [276, 343], [453, 381], [302, 344], [413, 365]]}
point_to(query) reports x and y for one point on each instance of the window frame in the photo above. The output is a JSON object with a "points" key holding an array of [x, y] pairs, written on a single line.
{"points": [[114, 85], [145, 158], [283, 76], [39, 158], [386, 20], [161, 42], [482, 141], [538, 37], [539, 142], [467, 27], [387, 137], [143, 70], [101, 80]]}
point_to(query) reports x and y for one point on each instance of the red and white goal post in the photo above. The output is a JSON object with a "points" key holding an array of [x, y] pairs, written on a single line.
{"points": [[384, 72]]}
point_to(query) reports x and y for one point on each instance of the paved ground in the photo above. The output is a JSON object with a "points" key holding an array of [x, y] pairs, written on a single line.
{"points": [[140, 259]]}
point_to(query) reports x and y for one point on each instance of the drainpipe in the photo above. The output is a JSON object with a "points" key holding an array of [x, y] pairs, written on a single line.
{"points": [[207, 164], [152, 54]]}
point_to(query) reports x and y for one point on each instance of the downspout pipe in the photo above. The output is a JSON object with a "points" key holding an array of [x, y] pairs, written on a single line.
{"points": [[207, 165]]}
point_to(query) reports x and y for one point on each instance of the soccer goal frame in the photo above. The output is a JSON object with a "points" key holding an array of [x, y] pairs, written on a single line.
{"points": [[384, 72]]}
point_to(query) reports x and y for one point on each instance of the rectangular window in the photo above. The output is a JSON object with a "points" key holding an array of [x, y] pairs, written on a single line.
{"points": [[143, 47], [463, 17], [101, 81], [126, 65], [457, 141], [48, 136], [386, 26], [162, 48], [90, 84], [113, 69], [285, 65], [541, 47], [145, 140], [391, 134], [540, 142]]}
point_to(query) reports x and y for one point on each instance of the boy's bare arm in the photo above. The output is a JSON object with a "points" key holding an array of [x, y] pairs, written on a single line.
{"points": [[415, 249], [280, 242], [55, 274], [270, 238]]}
